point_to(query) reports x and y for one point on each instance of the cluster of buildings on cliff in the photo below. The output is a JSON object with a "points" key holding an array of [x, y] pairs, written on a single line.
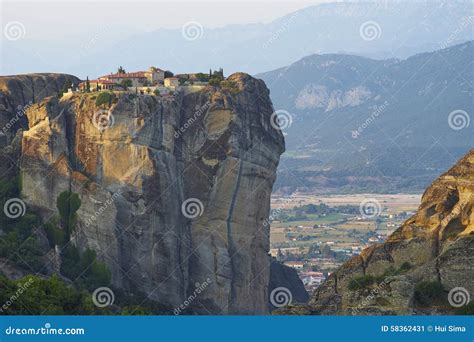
{"points": [[121, 79], [153, 79]]}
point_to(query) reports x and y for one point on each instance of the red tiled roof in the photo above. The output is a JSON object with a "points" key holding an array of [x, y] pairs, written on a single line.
{"points": [[106, 82], [99, 81], [137, 74]]}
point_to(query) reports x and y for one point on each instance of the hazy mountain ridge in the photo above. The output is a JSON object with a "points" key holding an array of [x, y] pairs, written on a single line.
{"points": [[323, 28], [375, 121]]}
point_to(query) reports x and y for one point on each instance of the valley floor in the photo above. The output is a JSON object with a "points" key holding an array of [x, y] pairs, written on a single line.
{"points": [[315, 234]]}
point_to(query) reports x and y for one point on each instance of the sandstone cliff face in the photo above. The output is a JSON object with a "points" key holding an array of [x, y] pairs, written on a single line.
{"points": [[17, 93], [139, 175], [437, 243]]}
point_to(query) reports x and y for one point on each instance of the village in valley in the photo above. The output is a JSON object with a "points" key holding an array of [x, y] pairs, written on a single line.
{"points": [[154, 81], [316, 234]]}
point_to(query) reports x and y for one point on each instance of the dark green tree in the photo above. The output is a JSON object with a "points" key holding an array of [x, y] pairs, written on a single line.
{"points": [[66, 86], [126, 83], [104, 98], [68, 203], [202, 77]]}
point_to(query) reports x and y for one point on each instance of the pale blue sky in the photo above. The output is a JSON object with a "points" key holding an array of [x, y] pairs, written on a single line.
{"points": [[52, 19]]}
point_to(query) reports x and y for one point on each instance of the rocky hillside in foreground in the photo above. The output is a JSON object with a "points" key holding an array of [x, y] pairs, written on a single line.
{"points": [[414, 270], [174, 191]]}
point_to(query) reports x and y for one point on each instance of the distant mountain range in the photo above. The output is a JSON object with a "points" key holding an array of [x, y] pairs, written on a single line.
{"points": [[360, 124], [382, 29]]}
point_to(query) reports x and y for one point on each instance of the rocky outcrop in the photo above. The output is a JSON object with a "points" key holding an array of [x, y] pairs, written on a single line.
{"points": [[174, 189], [20, 91], [287, 277], [17, 93], [435, 246]]}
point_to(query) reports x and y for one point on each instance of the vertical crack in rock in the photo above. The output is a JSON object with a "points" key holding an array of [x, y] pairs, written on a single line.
{"points": [[32, 90], [232, 249]]}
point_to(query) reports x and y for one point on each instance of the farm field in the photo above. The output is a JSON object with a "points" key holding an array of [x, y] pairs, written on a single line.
{"points": [[334, 228]]}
